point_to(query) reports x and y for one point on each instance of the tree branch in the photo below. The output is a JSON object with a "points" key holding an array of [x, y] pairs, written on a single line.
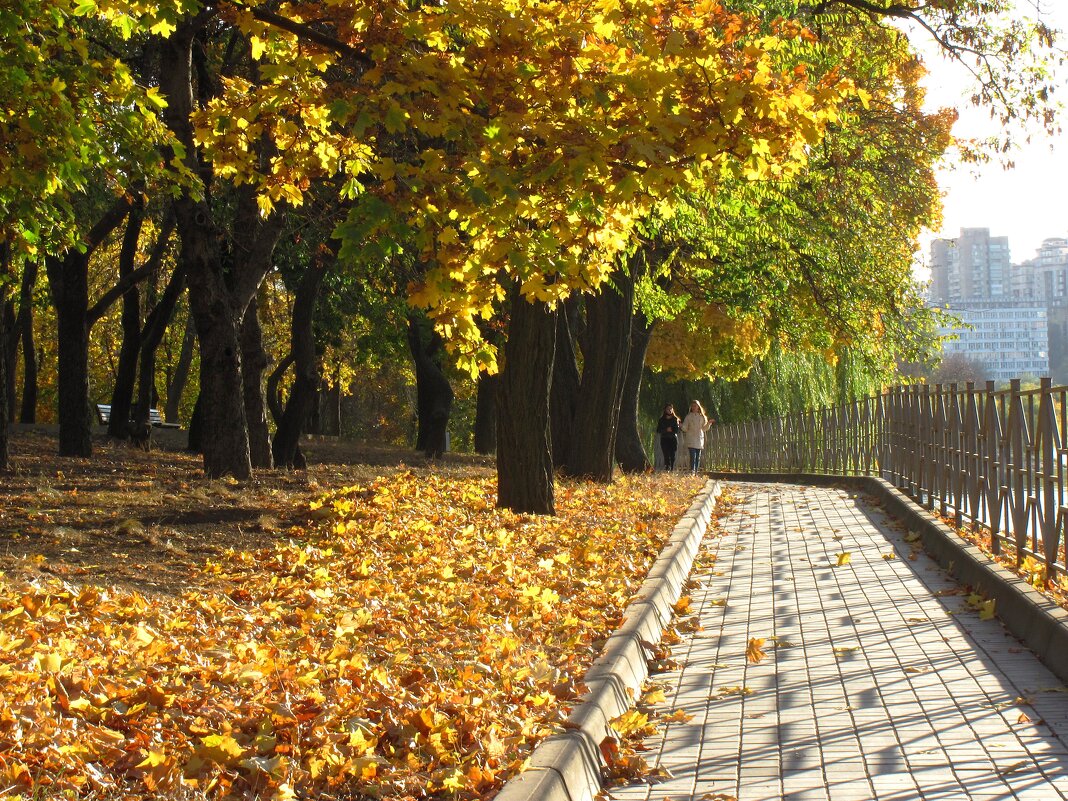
{"points": [[123, 285], [308, 33], [111, 220]]}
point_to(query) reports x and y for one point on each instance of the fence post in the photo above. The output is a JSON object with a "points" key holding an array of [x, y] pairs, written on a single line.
{"points": [[972, 474], [1048, 501], [938, 451], [996, 467], [1017, 502], [956, 454]]}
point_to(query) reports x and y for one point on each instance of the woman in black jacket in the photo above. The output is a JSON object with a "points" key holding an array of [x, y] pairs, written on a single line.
{"points": [[668, 429]]}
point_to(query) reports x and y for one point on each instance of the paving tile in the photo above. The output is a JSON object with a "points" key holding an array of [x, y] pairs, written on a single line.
{"points": [[878, 689]]}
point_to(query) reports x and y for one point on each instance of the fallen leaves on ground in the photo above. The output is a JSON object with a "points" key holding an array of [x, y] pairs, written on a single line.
{"points": [[984, 606], [843, 559], [754, 652], [410, 641], [729, 691]]}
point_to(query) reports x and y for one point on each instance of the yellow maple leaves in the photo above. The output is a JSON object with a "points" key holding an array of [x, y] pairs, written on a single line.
{"points": [[754, 651], [565, 126], [410, 640]]}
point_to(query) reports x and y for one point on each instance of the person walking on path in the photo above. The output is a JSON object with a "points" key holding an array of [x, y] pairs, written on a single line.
{"points": [[668, 427], [693, 428]]}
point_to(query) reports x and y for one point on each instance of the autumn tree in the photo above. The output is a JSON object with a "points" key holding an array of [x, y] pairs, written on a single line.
{"points": [[77, 128], [818, 263], [511, 149]]}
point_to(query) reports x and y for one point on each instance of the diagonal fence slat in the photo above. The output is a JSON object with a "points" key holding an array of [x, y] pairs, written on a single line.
{"points": [[995, 460]]}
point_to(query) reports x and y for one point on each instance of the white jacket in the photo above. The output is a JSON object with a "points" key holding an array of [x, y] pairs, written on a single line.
{"points": [[693, 429]]}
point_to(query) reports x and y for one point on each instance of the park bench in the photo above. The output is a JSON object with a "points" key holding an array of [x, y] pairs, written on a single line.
{"points": [[103, 411]]}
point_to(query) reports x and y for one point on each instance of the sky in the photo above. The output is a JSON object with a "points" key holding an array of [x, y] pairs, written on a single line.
{"points": [[1028, 203]]}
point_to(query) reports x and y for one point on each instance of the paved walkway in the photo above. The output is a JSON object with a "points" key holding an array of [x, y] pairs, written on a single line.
{"points": [[880, 682]]}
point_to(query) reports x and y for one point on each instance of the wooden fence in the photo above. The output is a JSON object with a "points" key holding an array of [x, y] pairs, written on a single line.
{"points": [[990, 459]]}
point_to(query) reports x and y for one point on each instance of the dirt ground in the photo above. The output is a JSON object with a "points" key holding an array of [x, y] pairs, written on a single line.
{"points": [[149, 520]]}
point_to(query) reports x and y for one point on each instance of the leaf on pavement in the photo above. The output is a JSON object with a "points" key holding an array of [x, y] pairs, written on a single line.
{"points": [[754, 652]]}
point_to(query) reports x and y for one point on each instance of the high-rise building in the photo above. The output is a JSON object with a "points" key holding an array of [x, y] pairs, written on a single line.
{"points": [[974, 267], [1045, 277], [1010, 338]]}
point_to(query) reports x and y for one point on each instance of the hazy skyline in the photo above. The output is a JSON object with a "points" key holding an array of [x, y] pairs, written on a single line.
{"points": [[1028, 203]]}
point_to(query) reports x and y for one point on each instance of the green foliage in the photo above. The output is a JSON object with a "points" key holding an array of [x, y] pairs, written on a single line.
{"points": [[72, 117]]}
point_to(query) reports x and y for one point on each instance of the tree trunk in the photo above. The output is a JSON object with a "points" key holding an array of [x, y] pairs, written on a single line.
{"points": [[28, 412], [630, 453], [69, 281], [9, 323], [126, 374], [223, 431], [181, 372], [274, 394], [486, 413], [591, 452], [155, 327], [5, 365], [565, 389], [303, 394], [253, 363], [433, 393], [195, 440], [524, 448], [221, 285]]}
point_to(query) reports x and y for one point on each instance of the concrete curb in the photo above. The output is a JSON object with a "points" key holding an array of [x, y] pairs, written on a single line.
{"points": [[567, 766], [1038, 622]]}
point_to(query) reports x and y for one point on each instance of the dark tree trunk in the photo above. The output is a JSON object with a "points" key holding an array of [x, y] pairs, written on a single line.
{"points": [[565, 389], [68, 278], [316, 418], [306, 378], [155, 327], [593, 439], [524, 448], [28, 412], [9, 324], [486, 413], [433, 393], [5, 365], [253, 363], [181, 372], [224, 435], [126, 374], [221, 285], [630, 453], [195, 440], [274, 394], [223, 431]]}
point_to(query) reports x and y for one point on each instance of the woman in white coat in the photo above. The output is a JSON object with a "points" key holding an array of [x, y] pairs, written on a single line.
{"points": [[693, 430]]}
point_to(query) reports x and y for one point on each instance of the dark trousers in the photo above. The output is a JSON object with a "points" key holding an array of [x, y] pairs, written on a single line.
{"points": [[669, 444]]}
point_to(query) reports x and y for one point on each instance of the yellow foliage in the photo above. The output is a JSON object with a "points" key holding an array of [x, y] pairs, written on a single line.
{"points": [[704, 341]]}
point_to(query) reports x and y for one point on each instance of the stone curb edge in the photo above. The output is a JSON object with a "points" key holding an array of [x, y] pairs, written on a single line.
{"points": [[567, 766], [1041, 624]]}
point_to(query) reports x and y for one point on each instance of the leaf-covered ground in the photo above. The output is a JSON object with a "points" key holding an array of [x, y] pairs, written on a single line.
{"points": [[399, 637]]}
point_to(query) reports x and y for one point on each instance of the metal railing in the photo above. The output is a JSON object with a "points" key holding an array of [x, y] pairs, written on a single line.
{"points": [[994, 460]]}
